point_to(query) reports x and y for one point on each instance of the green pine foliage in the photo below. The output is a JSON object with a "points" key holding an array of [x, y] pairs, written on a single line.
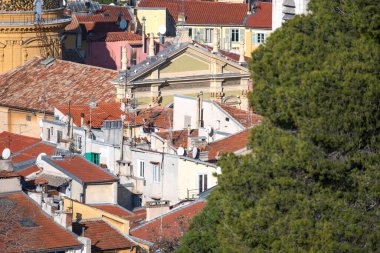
{"points": [[312, 183]]}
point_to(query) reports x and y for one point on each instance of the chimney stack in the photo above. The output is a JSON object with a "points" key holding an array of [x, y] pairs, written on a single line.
{"points": [[156, 208], [143, 34], [215, 48], [242, 53], [82, 119], [124, 58], [151, 45]]}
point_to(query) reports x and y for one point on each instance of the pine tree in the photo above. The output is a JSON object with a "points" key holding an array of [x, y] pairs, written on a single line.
{"points": [[312, 183]]}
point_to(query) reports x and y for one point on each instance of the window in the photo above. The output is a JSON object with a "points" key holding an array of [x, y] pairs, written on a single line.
{"points": [[141, 168], [48, 134], [235, 35], [209, 35], [59, 136], [190, 32], [79, 142], [137, 200], [28, 118], [260, 38], [202, 183], [156, 173], [134, 57]]}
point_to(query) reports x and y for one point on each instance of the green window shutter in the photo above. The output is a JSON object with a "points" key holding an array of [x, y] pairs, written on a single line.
{"points": [[88, 156], [96, 158], [242, 35]]}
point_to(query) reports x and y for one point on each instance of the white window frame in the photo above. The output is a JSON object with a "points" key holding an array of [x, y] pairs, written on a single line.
{"points": [[203, 189], [141, 168], [235, 31], [209, 34], [156, 173], [260, 38]]}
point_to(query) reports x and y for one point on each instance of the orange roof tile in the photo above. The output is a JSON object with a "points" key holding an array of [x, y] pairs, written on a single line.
{"points": [[108, 13], [115, 209], [32, 152], [231, 143], [27, 171], [8, 174], [103, 236], [119, 36], [168, 225], [80, 169], [15, 142], [158, 116], [244, 117], [39, 234], [74, 26], [179, 137], [262, 18], [57, 83], [219, 13]]}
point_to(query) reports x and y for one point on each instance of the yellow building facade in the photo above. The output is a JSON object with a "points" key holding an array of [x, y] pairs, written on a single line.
{"points": [[30, 28]]}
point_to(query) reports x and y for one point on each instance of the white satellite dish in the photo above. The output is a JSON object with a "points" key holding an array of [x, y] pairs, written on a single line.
{"points": [[122, 107], [41, 123], [195, 152], [6, 153], [39, 158], [162, 29], [123, 24], [210, 131], [181, 151]]}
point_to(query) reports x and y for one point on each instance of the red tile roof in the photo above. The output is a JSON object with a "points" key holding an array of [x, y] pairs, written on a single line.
{"points": [[15, 142], [32, 152], [244, 117], [27, 171], [78, 167], [229, 55], [40, 233], [103, 236], [171, 223], [203, 12], [8, 174], [232, 143], [58, 83], [123, 36], [74, 26], [179, 137], [262, 18], [116, 210], [157, 116]]}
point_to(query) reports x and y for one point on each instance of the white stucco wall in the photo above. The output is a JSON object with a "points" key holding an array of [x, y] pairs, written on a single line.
{"points": [[10, 184], [101, 193]]}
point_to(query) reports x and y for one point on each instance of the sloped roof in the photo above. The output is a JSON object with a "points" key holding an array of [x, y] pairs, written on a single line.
{"points": [[29, 85], [8, 174], [231, 144], [79, 169], [74, 26], [157, 116], [116, 210], [40, 233], [179, 138], [123, 36], [29, 170], [262, 18], [15, 142], [103, 236], [169, 224], [229, 55], [245, 118], [202, 12], [31, 152]]}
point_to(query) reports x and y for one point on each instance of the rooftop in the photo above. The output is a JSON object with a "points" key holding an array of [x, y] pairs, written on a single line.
{"points": [[15, 142], [8, 174], [55, 84], [169, 225], [262, 18], [30, 228], [31, 152], [116, 210], [79, 169], [103, 236], [247, 119], [218, 13], [29, 170], [179, 138]]}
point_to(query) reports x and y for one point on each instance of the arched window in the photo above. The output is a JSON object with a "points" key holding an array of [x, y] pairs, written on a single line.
{"points": [[38, 9]]}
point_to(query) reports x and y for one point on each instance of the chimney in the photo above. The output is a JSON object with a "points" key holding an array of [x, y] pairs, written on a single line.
{"points": [[143, 34], [241, 51], [124, 59], [249, 11], [156, 208], [82, 119], [151, 45], [215, 43]]}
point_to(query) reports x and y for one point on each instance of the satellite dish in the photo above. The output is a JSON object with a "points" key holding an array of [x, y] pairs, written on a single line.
{"points": [[210, 131], [195, 152], [162, 29], [181, 151], [123, 24], [218, 170], [6, 153], [41, 123], [39, 158], [122, 107]]}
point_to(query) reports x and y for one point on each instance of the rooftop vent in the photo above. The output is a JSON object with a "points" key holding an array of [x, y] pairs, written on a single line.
{"points": [[48, 61]]}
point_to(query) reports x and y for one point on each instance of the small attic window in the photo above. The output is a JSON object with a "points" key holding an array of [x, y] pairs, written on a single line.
{"points": [[227, 119]]}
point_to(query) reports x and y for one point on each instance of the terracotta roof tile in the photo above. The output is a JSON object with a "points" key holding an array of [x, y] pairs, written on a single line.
{"points": [[118, 36], [79, 168], [179, 137], [58, 83], [218, 13], [74, 26], [231, 143], [15, 142], [262, 18], [229, 55], [171, 228], [116, 210], [103, 236], [8, 174], [244, 117], [158, 116], [40, 233], [32, 152], [27, 171]]}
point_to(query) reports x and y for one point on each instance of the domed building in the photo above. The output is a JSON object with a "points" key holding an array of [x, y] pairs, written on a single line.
{"points": [[30, 28]]}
